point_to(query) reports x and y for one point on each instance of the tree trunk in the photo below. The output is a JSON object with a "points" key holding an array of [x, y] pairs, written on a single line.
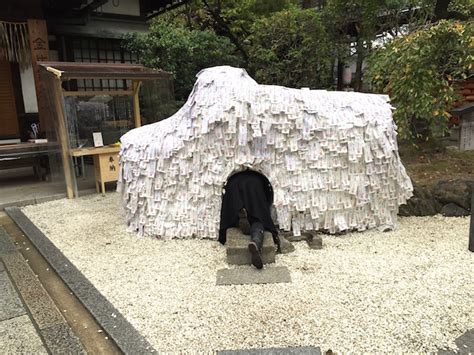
{"points": [[188, 16], [441, 9], [306, 4], [340, 71], [359, 62], [441, 12], [225, 29]]}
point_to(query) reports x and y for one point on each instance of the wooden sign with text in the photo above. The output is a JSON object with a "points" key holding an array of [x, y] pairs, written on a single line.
{"points": [[38, 37]]}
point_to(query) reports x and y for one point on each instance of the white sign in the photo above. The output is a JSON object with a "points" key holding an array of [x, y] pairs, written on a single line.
{"points": [[98, 142]]}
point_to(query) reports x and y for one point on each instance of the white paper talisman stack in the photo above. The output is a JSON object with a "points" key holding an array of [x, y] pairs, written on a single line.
{"points": [[331, 157]]}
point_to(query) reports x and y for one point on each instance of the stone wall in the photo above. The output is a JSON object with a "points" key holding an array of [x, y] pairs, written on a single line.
{"points": [[451, 198]]}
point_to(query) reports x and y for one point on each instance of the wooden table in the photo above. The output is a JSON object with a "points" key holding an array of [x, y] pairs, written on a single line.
{"points": [[25, 148], [106, 165], [25, 154]]}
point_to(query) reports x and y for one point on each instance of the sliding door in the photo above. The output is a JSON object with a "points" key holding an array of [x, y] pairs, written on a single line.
{"points": [[9, 127]]}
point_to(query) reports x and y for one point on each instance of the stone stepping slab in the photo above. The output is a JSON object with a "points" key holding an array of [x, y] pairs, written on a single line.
{"points": [[465, 344], [250, 275], [237, 251], [304, 350]]}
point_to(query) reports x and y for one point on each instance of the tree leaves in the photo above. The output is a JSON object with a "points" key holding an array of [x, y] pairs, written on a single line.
{"points": [[291, 48], [418, 71], [173, 47]]}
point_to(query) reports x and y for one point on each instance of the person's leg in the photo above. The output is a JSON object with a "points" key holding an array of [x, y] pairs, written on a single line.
{"points": [[256, 200], [230, 207], [243, 224], [256, 243]]}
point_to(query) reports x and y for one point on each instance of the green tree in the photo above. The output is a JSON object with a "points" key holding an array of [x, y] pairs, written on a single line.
{"points": [[419, 71], [291, 48], [353, 26], [230, 18], [184, 52]]}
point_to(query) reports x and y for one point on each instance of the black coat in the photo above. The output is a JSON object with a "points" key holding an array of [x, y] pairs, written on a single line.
{"points": [[249, 190]]}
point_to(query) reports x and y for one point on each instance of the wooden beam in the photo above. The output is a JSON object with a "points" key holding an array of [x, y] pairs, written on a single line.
{"points": [[56, 72], [136, 103], [75, 70], [99, 92], [63, 137], [80, 152]]}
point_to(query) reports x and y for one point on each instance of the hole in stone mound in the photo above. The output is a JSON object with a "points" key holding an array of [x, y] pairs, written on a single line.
{"points": [[267, 184], [248, 192]]}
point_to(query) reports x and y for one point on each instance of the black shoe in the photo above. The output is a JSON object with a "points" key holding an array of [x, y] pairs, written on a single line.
{"points": [[255, 255]]}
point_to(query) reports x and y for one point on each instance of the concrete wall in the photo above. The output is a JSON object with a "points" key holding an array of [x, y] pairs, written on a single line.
{"points": [[28, 90], [105, 27], [121, 7], [28, 86], [102, 28]]}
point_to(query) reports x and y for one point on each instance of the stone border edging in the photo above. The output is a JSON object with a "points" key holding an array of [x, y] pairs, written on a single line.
{"points": [[127, 338], [56, 335]]}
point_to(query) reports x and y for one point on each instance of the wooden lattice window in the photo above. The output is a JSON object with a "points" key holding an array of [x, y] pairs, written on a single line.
{"points": [[101, 50]]}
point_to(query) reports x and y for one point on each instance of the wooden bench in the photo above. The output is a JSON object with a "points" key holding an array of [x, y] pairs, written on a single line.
{"points": [[20, 155]]}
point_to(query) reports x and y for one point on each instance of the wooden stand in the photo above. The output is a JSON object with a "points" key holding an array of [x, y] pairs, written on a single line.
{"points": [[55, 73], [106, 164], [106, 170]]}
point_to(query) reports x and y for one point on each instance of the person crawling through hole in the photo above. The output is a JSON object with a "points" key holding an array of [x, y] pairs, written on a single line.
{"points": [[249, 193]]}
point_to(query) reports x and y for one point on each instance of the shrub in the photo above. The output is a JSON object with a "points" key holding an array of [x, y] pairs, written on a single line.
{"points": [[418, 71], [291, 48], [173, 47]]}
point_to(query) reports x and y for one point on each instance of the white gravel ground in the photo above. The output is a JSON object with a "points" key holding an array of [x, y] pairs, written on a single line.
{"points": [[411, 290]]}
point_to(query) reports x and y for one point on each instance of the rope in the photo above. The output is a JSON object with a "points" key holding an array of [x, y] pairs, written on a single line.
{"points": [[14, 44]]}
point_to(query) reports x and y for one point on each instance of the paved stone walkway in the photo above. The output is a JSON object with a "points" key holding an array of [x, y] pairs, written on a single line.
{"points": [[17, 332], [112, 323], [30, 322]]}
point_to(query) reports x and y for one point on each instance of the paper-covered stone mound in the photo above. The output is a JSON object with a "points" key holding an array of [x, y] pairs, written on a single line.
{"points": [[331, 157]]}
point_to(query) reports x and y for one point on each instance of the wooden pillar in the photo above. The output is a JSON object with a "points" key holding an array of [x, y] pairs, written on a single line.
{"points": [[38, 38], [63, 138], [136, 103], [471, 227]]}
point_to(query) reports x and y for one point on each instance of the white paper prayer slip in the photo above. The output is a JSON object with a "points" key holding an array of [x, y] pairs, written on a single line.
{"points": [[331, 157]]}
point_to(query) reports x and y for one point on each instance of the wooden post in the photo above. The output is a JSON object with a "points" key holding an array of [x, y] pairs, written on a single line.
{"points": [[63, 139], [136, 103], [471, 227], [38, 38]]}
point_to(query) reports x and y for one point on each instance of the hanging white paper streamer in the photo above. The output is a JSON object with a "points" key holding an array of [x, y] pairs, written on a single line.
{"points": [[331, 157]]}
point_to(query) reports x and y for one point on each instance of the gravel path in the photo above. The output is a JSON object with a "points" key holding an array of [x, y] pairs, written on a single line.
{"points": [[411, 290]]}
